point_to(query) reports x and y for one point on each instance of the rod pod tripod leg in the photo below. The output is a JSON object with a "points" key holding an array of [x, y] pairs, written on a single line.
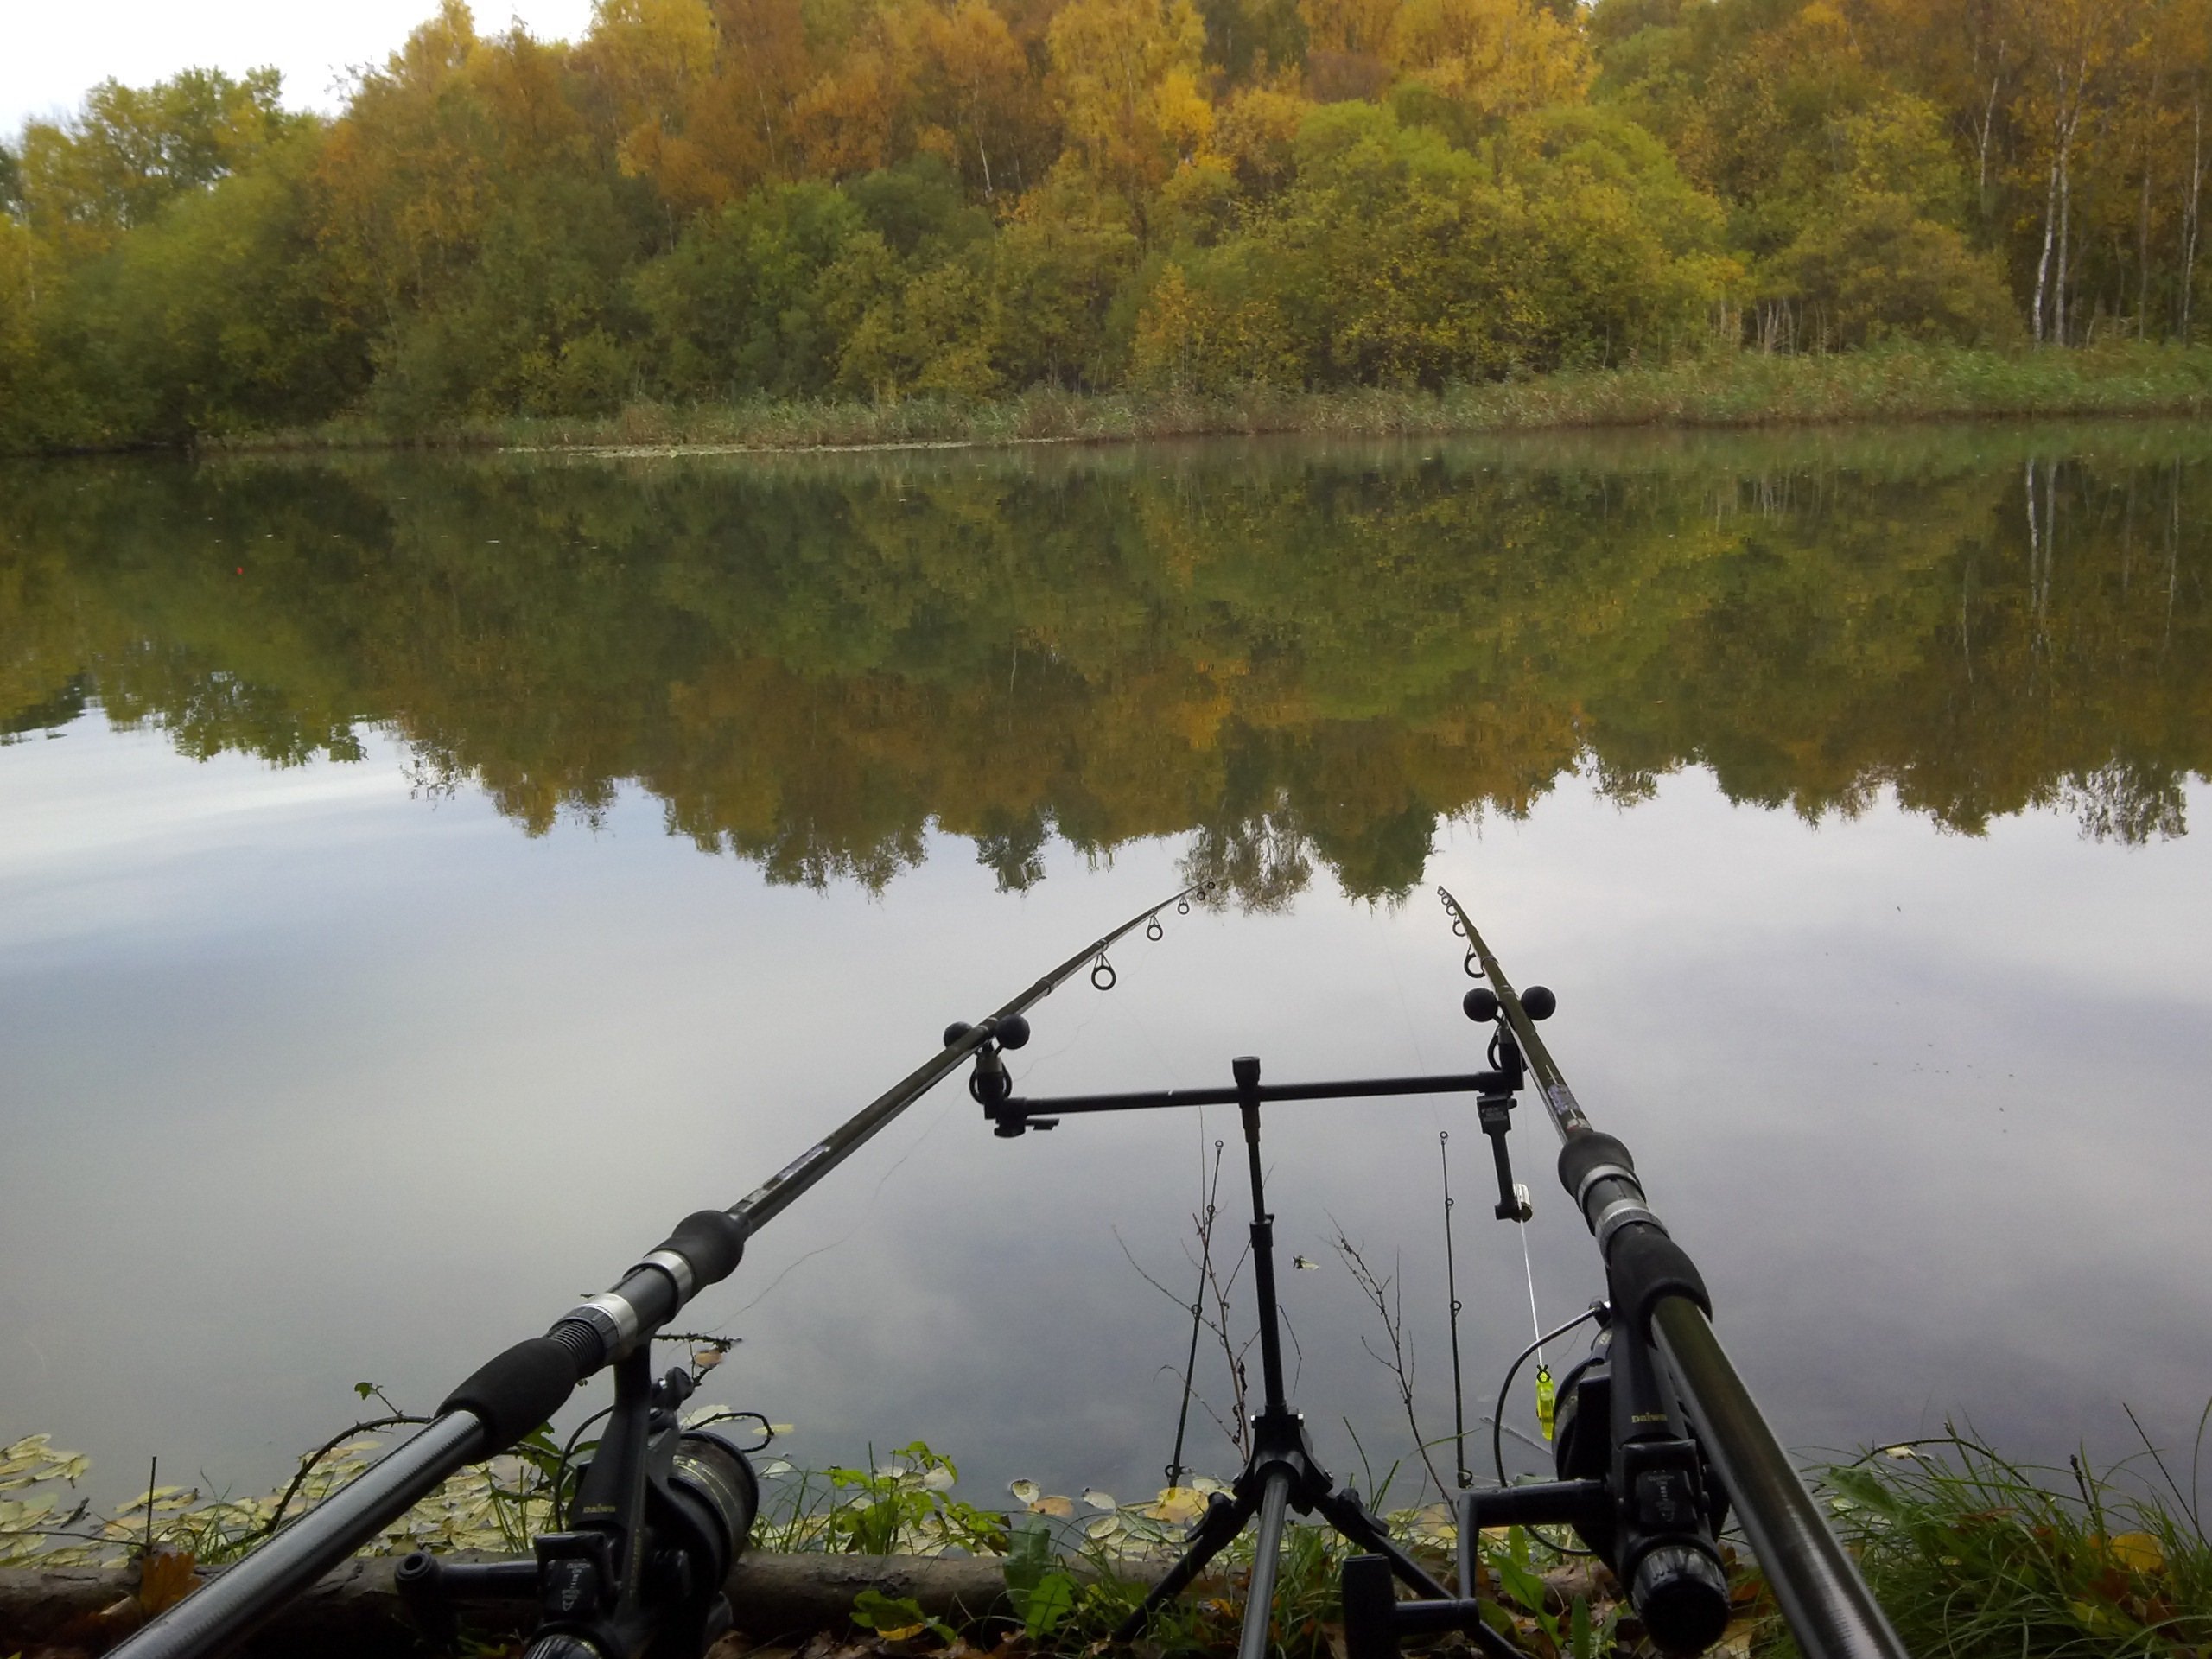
{"points": [[1281, 1473]]}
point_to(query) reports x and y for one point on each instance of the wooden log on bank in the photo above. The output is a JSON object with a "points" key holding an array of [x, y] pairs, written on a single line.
{"points": [[355, 1613]]}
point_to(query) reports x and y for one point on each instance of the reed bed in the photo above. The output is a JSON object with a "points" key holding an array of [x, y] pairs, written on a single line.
{"points": [[1743, 389]]}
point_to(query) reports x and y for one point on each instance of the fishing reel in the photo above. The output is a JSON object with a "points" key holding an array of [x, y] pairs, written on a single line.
{"points": [[659, 1514], [1634, 1485]]}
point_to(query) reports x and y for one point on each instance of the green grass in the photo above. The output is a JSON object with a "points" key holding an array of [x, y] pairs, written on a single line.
{"points": [[1975, 1555], [1744, 389]]}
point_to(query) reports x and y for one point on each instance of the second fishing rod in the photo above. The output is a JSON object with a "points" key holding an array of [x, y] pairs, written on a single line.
{"points": [[660, 1513], [1658, 1435]]}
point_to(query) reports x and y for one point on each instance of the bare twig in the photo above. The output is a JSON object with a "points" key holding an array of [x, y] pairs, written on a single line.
{"points": [[1215, 1319], [1389, 1303]]}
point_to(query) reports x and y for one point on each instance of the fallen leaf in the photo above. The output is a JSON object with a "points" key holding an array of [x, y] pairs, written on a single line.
{"points": [[2138, 1552], [165, 1579]]}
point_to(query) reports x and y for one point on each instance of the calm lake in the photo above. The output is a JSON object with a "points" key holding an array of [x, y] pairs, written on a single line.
{"points": [[422, 881]]}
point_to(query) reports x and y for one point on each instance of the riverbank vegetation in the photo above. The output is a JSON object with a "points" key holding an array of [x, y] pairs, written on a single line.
{"points": [[1737, 388], [1972, 1555], [1202, 206]]}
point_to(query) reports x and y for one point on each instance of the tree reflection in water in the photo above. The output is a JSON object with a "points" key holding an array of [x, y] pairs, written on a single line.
{"points": [[1291, 653]]}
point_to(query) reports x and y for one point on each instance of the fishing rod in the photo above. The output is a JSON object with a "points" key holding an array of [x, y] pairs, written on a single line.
{"points": [[659, 1514], [1656, 1435]]}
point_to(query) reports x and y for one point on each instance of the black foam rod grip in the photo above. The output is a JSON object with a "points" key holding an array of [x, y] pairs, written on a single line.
{"points": [[1644, 1265], [712, 1241], [517, 1391]]}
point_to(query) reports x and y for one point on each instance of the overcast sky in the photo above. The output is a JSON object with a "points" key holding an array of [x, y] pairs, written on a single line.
{"points": [[56, 52]]}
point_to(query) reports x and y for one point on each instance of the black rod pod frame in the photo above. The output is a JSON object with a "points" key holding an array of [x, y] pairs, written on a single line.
{"points": [[1652, 1435], [656, 1509], [1282, 1472]]}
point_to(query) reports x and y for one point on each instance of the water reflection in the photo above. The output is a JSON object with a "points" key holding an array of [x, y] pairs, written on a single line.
{"points": [[1301, 653], [286, 1046]]}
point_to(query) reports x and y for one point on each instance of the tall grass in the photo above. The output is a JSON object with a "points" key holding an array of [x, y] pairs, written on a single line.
{"points": [[1739, 389], [1976, 1557]]}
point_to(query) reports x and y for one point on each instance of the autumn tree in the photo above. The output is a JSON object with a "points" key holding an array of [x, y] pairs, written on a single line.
{"points": [[644, 61], [1488, 61], [1128, 77], [976, 99]]}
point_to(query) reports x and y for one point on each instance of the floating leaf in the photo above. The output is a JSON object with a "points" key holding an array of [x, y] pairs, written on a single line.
{"points": [[1104, 1527], [1026, 1491], [937, 1477], [1899, 1451], [772, 1468], [1055, 1505], [1099, 1500], [1177, 1504]]}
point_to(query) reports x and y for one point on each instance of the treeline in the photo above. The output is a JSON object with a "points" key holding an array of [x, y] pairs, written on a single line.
{"points": [[724, 199], [1292, 660]]}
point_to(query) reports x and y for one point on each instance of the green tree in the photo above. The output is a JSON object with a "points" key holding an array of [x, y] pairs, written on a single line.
{"points": [[221, 313], [743, 305], [84, 180], [1876, 270]]}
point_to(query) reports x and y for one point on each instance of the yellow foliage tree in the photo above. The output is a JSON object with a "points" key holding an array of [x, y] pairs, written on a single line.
{"points": [[645, 61], [976, 102], [1494, 59], [1130, 73], [738, 125]]}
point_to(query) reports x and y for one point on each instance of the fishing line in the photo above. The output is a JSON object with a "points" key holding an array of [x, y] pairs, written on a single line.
{"points": [[1496, 1443], [1547, 1394], [860, 1217]]}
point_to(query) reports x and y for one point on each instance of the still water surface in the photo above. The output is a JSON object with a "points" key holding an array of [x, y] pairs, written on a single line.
{"points": [[421, 881]]}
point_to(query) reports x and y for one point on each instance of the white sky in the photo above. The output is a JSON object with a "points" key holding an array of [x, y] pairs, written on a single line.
{"points": [[54, 51]]}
